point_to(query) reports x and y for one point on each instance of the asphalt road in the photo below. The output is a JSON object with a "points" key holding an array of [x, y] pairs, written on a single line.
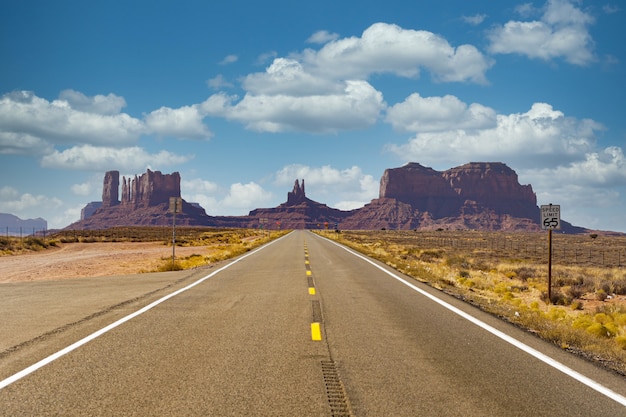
{"points": [[300, 327]]}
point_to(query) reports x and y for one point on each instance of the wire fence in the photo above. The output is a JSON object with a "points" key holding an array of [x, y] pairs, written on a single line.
{"points": [[579, 250], [22, 232]]}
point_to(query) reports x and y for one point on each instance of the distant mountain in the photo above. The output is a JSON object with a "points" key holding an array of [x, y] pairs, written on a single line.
{"points": [[13, 225], [475, 196]]}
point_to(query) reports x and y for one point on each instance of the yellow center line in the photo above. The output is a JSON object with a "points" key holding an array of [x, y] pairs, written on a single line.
{"points": [[316, 331], [311, 290]]}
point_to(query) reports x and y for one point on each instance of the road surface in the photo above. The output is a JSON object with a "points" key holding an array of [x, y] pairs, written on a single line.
{"points": [[300, 327]]}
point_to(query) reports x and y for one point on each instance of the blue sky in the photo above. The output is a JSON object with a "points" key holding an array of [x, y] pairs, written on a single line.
{"points": [[243, 97]]}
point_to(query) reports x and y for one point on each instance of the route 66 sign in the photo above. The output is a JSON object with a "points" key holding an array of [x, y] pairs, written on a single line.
{"points": [[551, 217]]}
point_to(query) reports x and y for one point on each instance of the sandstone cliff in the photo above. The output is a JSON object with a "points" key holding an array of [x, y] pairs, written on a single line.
{"points": [[474, 196], [144, 202]]}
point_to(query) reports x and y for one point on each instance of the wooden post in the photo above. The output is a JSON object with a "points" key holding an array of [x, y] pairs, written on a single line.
{"points": [[550, 265]]}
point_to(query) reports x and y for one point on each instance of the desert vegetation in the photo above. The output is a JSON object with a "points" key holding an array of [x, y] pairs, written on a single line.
{"points": [[506, 275], [12, 245], [213, 244]]}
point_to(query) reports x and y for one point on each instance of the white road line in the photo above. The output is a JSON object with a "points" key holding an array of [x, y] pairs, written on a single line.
{"points": [[27, 371], [522, 346]]}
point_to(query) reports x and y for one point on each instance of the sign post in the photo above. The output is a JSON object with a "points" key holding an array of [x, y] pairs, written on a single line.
{"points": [[550, 219], [176, 206]]}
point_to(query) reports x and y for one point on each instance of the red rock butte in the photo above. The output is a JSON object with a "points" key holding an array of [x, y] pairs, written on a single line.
{"points": [[475, 196]]}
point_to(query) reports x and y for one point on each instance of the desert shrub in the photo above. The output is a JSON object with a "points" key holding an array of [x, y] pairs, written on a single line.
{"points": [[170, 266], [34, 243], [510, 274], [558, 298], [525, 272], [621, 341], [619, 286], [575, 291], [457, 261], [430, 255]]}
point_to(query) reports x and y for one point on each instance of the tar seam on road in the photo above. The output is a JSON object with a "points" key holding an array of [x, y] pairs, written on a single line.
{"points": [[27, 371], [335, 390], [503, 336]]}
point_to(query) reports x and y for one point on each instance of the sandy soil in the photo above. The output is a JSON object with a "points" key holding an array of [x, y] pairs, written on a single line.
{"points": [[76, 260]]}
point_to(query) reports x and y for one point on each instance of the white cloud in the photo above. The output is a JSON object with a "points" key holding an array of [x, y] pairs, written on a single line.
{"points": [[198, 185], [604, 168], [203, 192], [475, 20], [183, 122], [348, 188], [558, 155], [326, 90], [95, 158], [12, 143], [287, 76], [562, 31], [386, 48], [218, 82], [99, 104], [30, 125], [265, 57], [83, 189], [11, 201], [229, 59], [237, 200], [322, 36], [427, 114], [30, 118], [245, 196], [541, 135], [357, 106]]}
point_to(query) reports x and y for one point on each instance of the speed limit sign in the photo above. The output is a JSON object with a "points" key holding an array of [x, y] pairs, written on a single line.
{"points": [[551, 217]]}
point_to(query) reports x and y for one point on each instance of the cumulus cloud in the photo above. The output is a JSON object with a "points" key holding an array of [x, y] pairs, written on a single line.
{"points": [[183, 122], [387, 48], [83, 189], [100, 104], [428, 114], [11, 201], [31, 125], [288, 76], [561, 32], [326, 90], [30, 118], [203, 192], [243, 196], [357, 106], [348, 188], [15, 143], [535, 137], [322, 36], [603, 168], [96, 158]]}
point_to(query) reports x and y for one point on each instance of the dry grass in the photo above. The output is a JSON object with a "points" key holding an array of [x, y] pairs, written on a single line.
{"points": [[217, 245], [506, 275]]}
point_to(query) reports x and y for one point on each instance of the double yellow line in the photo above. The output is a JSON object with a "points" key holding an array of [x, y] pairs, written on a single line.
{"points": [[316, 326]]}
